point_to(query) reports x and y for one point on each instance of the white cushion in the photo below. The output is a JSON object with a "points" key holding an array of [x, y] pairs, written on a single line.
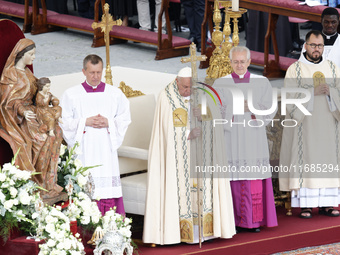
{"points": [[133, 152], [134, 193]]}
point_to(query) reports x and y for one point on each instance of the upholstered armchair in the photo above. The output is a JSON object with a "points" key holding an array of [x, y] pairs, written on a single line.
{"points": [[133, 154]]}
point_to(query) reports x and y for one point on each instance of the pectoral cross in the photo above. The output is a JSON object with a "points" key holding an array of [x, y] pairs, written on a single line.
{"points": [[106, 26]]}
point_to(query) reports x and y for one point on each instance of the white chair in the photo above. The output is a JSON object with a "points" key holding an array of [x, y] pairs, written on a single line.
{"points": [[133, 154]]}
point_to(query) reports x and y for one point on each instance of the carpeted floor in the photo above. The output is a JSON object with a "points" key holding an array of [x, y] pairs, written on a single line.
{"points": [[328, 249], [292, 233]]}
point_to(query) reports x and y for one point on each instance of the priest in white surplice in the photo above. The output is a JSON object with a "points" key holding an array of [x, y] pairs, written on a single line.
{"points": [[96, 115], [171, 214], [330, 23], [310, 150], [247, 146]]}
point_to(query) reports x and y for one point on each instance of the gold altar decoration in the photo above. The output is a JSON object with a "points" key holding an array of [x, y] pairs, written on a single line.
{"points": [[97, 236], [219, 64], [106, 25], [128, 91]]}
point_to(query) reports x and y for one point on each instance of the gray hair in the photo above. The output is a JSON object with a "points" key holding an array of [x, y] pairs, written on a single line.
{"points": [[239, 49]]}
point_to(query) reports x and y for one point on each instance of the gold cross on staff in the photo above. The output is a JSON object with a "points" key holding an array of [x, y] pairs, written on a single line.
{"points": [[193, 59], [106, 25]]}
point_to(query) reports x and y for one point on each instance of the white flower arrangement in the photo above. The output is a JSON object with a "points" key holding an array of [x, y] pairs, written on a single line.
{"points": [[20, 202], [113, 221], [18, 196], [54, 226], [83, 209]]}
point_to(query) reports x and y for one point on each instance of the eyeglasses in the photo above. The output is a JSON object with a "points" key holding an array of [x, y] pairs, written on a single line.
{"points": [[242, 62], [313, 45]]}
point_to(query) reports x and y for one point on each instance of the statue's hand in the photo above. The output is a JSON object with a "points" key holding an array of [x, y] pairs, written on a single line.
{"points": [[29, 115]]}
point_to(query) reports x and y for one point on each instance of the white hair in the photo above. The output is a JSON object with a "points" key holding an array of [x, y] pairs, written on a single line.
{"points": [[239, 49]]}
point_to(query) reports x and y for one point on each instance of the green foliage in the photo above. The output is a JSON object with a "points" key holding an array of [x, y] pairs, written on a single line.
{"points": [[70, 168], [8, 224]]}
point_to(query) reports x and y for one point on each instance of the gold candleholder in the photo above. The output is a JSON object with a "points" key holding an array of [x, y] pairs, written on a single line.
{"points": [[219, 64]]}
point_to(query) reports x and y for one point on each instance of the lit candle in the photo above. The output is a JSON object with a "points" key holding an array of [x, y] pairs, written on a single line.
{"points": [[235, 5]]}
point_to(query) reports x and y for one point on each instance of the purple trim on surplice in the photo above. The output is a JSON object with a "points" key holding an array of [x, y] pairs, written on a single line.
{"points": [[104, 205], [237, 78], [243, 204], [90, 89], [256, 196]]}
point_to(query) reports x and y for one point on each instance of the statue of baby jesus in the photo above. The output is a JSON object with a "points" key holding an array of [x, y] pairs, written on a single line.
{"points": [[48, 109]]}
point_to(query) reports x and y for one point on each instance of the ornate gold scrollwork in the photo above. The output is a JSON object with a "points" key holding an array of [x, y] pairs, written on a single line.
{"points": [[128, 91], [219, 65]]}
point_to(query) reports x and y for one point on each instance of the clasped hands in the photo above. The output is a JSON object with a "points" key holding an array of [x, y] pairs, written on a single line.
{"points": [[97, 121], [322, 89]]}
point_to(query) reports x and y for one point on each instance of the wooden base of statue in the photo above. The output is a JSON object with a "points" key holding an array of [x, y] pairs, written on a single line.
{"points": [[61, 197]]}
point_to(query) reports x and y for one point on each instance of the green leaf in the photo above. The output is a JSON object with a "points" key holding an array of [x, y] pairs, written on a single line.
{"points": [[41, 188], [35, 173], [15, 156]]}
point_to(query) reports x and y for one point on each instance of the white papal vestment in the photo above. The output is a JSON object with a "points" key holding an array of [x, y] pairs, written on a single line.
{"points": [[171, 208]]}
